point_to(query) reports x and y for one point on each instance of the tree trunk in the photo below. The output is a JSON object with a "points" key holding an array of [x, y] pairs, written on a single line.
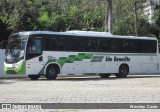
{"points": [[110, 16]]}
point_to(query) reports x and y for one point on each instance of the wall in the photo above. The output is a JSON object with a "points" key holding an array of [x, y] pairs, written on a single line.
{"points": [[2, 75]]}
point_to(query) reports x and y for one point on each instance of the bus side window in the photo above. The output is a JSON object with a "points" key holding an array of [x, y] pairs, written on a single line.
{"points": [[153, 46], [38, 46], [91, 45], [34, 47], [85, 44], [113, 46], [31, 46], [159, 46], [46, 45], [78, 44], [69, 43], [98, 45], [105, 47], [125, 46], [53, 44], [61, 44], [132, 46]]}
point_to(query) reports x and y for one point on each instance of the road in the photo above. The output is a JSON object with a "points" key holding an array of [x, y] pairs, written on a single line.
{"points": [[82, 89]]}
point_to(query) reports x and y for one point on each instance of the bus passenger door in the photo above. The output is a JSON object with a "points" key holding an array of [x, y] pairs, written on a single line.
{"points": [[34, 58]]}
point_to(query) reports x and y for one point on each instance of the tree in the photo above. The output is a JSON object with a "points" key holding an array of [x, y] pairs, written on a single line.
{"points": [[58, 15], [156, 26], [124, 18]]}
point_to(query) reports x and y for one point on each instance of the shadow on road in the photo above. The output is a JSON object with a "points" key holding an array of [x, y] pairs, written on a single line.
{"points": [[93, 78], [143, 76], [97, 78], [3, 81], [79, 78]]}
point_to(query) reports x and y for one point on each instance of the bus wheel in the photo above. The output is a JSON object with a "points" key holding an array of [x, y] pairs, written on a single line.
{"points": [[104, 75], [51, 72], [34, 77], [123, 71]]}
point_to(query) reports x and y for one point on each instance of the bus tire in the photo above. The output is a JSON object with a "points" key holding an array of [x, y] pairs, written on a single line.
{"points": [[51, 72], [123, 71], [104, 75], [34, 77]]}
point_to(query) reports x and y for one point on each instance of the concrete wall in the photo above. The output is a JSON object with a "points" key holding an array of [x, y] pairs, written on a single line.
{"points": [[2, 75]]}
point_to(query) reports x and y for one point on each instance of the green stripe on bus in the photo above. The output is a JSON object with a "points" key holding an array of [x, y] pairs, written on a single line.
{"points": [[71, 59], [80, 56], [88, 56], [61, 61]]}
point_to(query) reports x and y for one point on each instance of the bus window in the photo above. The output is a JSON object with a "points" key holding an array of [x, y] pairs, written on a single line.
{"points": [[38, 46], [78, 44], [104, 45], [114, 44], [69, 43], [53, 44], [50, 43], [91, 45], [159, 46], [30, 46], [125, 46], [34, 47], [152, 46], [61, 44], [46, 45]]}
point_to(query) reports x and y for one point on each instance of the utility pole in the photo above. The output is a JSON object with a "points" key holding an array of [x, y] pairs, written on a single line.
{"points": [[110, 24], [135, 12]]}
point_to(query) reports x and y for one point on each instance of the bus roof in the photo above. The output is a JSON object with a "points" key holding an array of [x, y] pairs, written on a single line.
{"points": [[84, 33]]}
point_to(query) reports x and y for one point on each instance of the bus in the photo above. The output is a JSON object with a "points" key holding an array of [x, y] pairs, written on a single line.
{"points": [[47, 53]]}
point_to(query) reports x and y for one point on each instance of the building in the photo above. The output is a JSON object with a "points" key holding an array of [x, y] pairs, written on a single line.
{"points": [[149, 8]]}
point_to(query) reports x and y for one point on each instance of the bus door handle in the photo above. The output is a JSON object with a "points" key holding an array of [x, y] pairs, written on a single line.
{"points": [[41, 58]]}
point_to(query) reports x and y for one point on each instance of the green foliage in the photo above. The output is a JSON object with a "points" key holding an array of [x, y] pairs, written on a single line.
{"points": [[156, 25], [63, 15], [124, 18]]}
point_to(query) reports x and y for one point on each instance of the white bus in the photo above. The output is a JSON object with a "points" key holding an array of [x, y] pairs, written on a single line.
{"points": [[47, 53]]}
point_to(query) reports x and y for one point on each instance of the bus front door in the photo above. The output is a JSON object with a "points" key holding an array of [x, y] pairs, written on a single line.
{"points": [[34, 57]]}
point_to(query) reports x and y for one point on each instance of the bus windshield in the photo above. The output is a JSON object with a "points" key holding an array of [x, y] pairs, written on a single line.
{"points": [[15, 48]]}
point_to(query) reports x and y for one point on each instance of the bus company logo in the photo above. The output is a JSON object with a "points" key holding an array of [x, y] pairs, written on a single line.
{"points": [[116, 59], [6, 106], [51, 57]]}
